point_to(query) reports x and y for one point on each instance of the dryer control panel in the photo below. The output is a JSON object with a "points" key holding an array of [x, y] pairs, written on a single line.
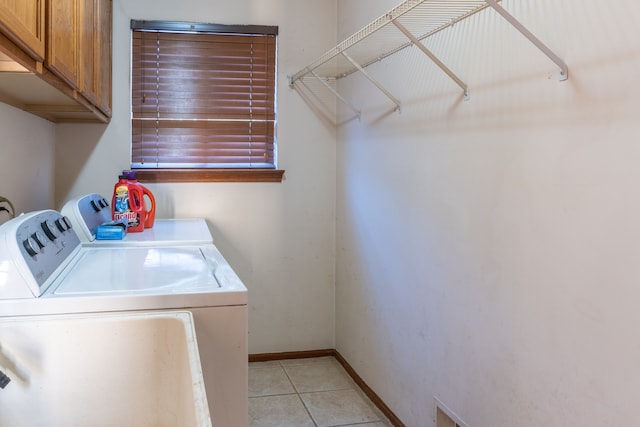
{"points": [[87, 213], [33, 247]]}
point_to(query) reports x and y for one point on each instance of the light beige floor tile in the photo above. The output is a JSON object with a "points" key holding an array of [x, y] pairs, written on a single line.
{"points": [[384, 421], [378, 424], [278, 411], [269, 381], [320, 375], [340, 407]]}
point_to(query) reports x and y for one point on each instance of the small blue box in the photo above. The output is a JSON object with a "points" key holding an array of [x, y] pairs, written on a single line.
{"points": [[112, 230]]}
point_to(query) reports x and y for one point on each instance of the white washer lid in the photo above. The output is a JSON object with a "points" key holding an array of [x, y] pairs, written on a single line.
{"points": [[137, 270]]}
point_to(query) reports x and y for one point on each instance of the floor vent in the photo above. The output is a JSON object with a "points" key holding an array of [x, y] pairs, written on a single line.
{"points": [[445, 417]]}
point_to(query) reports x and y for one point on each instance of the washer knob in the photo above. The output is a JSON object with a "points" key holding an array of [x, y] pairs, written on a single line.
{"points": [[39, 238], [61, 224], [50, 229], [31, 246]]}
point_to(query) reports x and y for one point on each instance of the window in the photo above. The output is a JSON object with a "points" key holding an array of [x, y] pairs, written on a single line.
{"points": [[203, 100]]}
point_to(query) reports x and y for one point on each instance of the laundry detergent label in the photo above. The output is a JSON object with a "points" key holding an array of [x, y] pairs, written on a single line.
{"points": [[122, 207]]}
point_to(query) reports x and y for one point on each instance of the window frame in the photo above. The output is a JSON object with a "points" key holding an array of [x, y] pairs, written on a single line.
{"points": [[240, 174]]}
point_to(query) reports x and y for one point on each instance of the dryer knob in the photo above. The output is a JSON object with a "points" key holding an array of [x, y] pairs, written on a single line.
{"points": [[50, 229], [31, 246], [67, 221]]}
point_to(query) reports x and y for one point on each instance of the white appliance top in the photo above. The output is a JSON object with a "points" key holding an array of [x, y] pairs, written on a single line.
{"points": [[181, 231], [44, 269], [138, 270], [87, 212]]}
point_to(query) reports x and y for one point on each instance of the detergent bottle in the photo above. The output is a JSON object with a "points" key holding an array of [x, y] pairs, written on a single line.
{"points": [[149, 202], [127, 204]]}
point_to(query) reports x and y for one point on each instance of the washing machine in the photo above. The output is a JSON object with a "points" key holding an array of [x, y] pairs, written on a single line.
{"points": [[88, 211], [45, 269]]}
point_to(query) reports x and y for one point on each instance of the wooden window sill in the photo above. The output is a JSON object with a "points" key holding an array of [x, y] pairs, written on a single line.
{"points": [[209, 175]]}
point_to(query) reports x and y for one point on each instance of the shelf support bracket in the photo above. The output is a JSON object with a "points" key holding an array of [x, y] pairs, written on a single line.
{"points": [[431, 56], [374, 81], [564, 70], [335, 92]]}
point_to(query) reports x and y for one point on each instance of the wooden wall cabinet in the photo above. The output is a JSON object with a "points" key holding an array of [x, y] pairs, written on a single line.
{"points": [[71, 81], [102, 43], [62, 51], [94, 52], [86, 50], [23, 23]]}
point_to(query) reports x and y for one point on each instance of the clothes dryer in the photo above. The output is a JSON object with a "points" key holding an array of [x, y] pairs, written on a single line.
{"points": [[87, 212]]}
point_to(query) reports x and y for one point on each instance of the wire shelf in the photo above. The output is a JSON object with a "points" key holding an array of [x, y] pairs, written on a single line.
{"points": [[408, 24], [381, 38]]}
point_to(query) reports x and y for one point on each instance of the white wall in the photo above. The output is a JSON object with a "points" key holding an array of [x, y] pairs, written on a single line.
{"points": [[26, 160], [278, 237], [488, 250]]}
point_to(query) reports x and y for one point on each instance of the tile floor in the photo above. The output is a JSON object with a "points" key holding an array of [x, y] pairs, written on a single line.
{"points": [[314, 392]]}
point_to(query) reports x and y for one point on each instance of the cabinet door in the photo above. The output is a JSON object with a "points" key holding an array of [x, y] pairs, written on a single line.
{"points": [[104, 29], [22, 21], [87, 55], [61, 55]]}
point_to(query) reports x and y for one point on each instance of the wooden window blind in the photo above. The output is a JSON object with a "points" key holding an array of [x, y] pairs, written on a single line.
{"points": [[203, 96]]}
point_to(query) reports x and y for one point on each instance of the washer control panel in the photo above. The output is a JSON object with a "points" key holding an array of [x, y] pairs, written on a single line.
{"points": [[36, 245]]}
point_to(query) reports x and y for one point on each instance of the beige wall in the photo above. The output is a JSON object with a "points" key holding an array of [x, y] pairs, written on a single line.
{"points": [[278, 237], [494, 265], [488, 250], [26, 160]]}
